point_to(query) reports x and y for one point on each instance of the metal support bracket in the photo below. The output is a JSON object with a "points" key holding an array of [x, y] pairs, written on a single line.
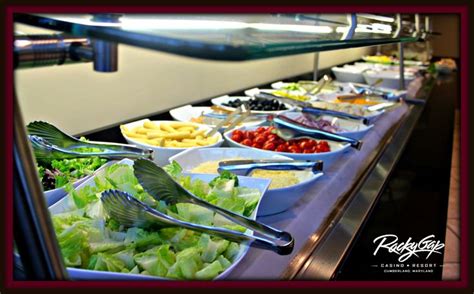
{"points": [[316, 66], [401, 59]]}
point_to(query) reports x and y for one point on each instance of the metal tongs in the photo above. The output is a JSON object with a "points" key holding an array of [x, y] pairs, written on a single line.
{"points": [[309, 108], [49, 143], [320, 85], [385, 94], [233, 119], [155, 181], [245, 167], [288, 129]]}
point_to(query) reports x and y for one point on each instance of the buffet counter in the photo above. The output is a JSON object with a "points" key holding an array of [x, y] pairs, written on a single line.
{"points": [[325, 221], [311, 215]]}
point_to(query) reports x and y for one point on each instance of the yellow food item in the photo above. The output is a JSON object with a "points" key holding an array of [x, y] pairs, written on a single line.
{"points": [[198, 120], [172, 134], [280, 179], [150, 125], [360, 101], [291, 96], [379, 59], [210, 167]]}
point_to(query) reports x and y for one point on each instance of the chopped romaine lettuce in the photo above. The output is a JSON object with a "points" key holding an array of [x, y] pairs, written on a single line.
{"points": [[90, 239], [174, 169], [225, 175], [210, 271]]}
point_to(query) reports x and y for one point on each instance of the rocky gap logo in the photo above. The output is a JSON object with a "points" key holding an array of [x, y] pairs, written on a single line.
{"points": [[407, 249]]}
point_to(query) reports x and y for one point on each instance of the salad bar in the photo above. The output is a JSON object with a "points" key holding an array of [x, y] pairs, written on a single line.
{"points": [[257, 172], [245, 187]]}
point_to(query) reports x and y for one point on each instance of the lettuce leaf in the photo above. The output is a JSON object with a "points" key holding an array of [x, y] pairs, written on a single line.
{"points": [[195, 214], [173, 169], [189, 262], [139, 238], [210, 271], [224, 176], [157, 260], [107, 262]]}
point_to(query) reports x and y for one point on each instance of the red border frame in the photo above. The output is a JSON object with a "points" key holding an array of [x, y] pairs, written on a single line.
{"points": [[463, 69]]}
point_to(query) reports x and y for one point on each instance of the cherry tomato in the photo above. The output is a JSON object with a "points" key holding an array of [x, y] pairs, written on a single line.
{"points": [[294, 149], [324, 144], [310, 150], [321, 148], [256, 145], [282, 148], [246, 142], [303, 145], [249, 135], [266, 133], [260, 139], [272, 138], [261, 130], [237, 137], [240, 132], [311, 143], [269, 146], [279, 141]]}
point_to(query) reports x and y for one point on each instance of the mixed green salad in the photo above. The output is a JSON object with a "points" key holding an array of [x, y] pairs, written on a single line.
{"points": [[58, 173], [293, 87], [89, 239]]}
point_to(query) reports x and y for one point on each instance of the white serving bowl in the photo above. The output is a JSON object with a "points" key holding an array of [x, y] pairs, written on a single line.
{"points": [[188, 112], [369, 65], [281, 199], [161, 154], [66, 204], [348, 74], [390, 79], [327, 157], [192, 158], [275, 200], [219, 101]]}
